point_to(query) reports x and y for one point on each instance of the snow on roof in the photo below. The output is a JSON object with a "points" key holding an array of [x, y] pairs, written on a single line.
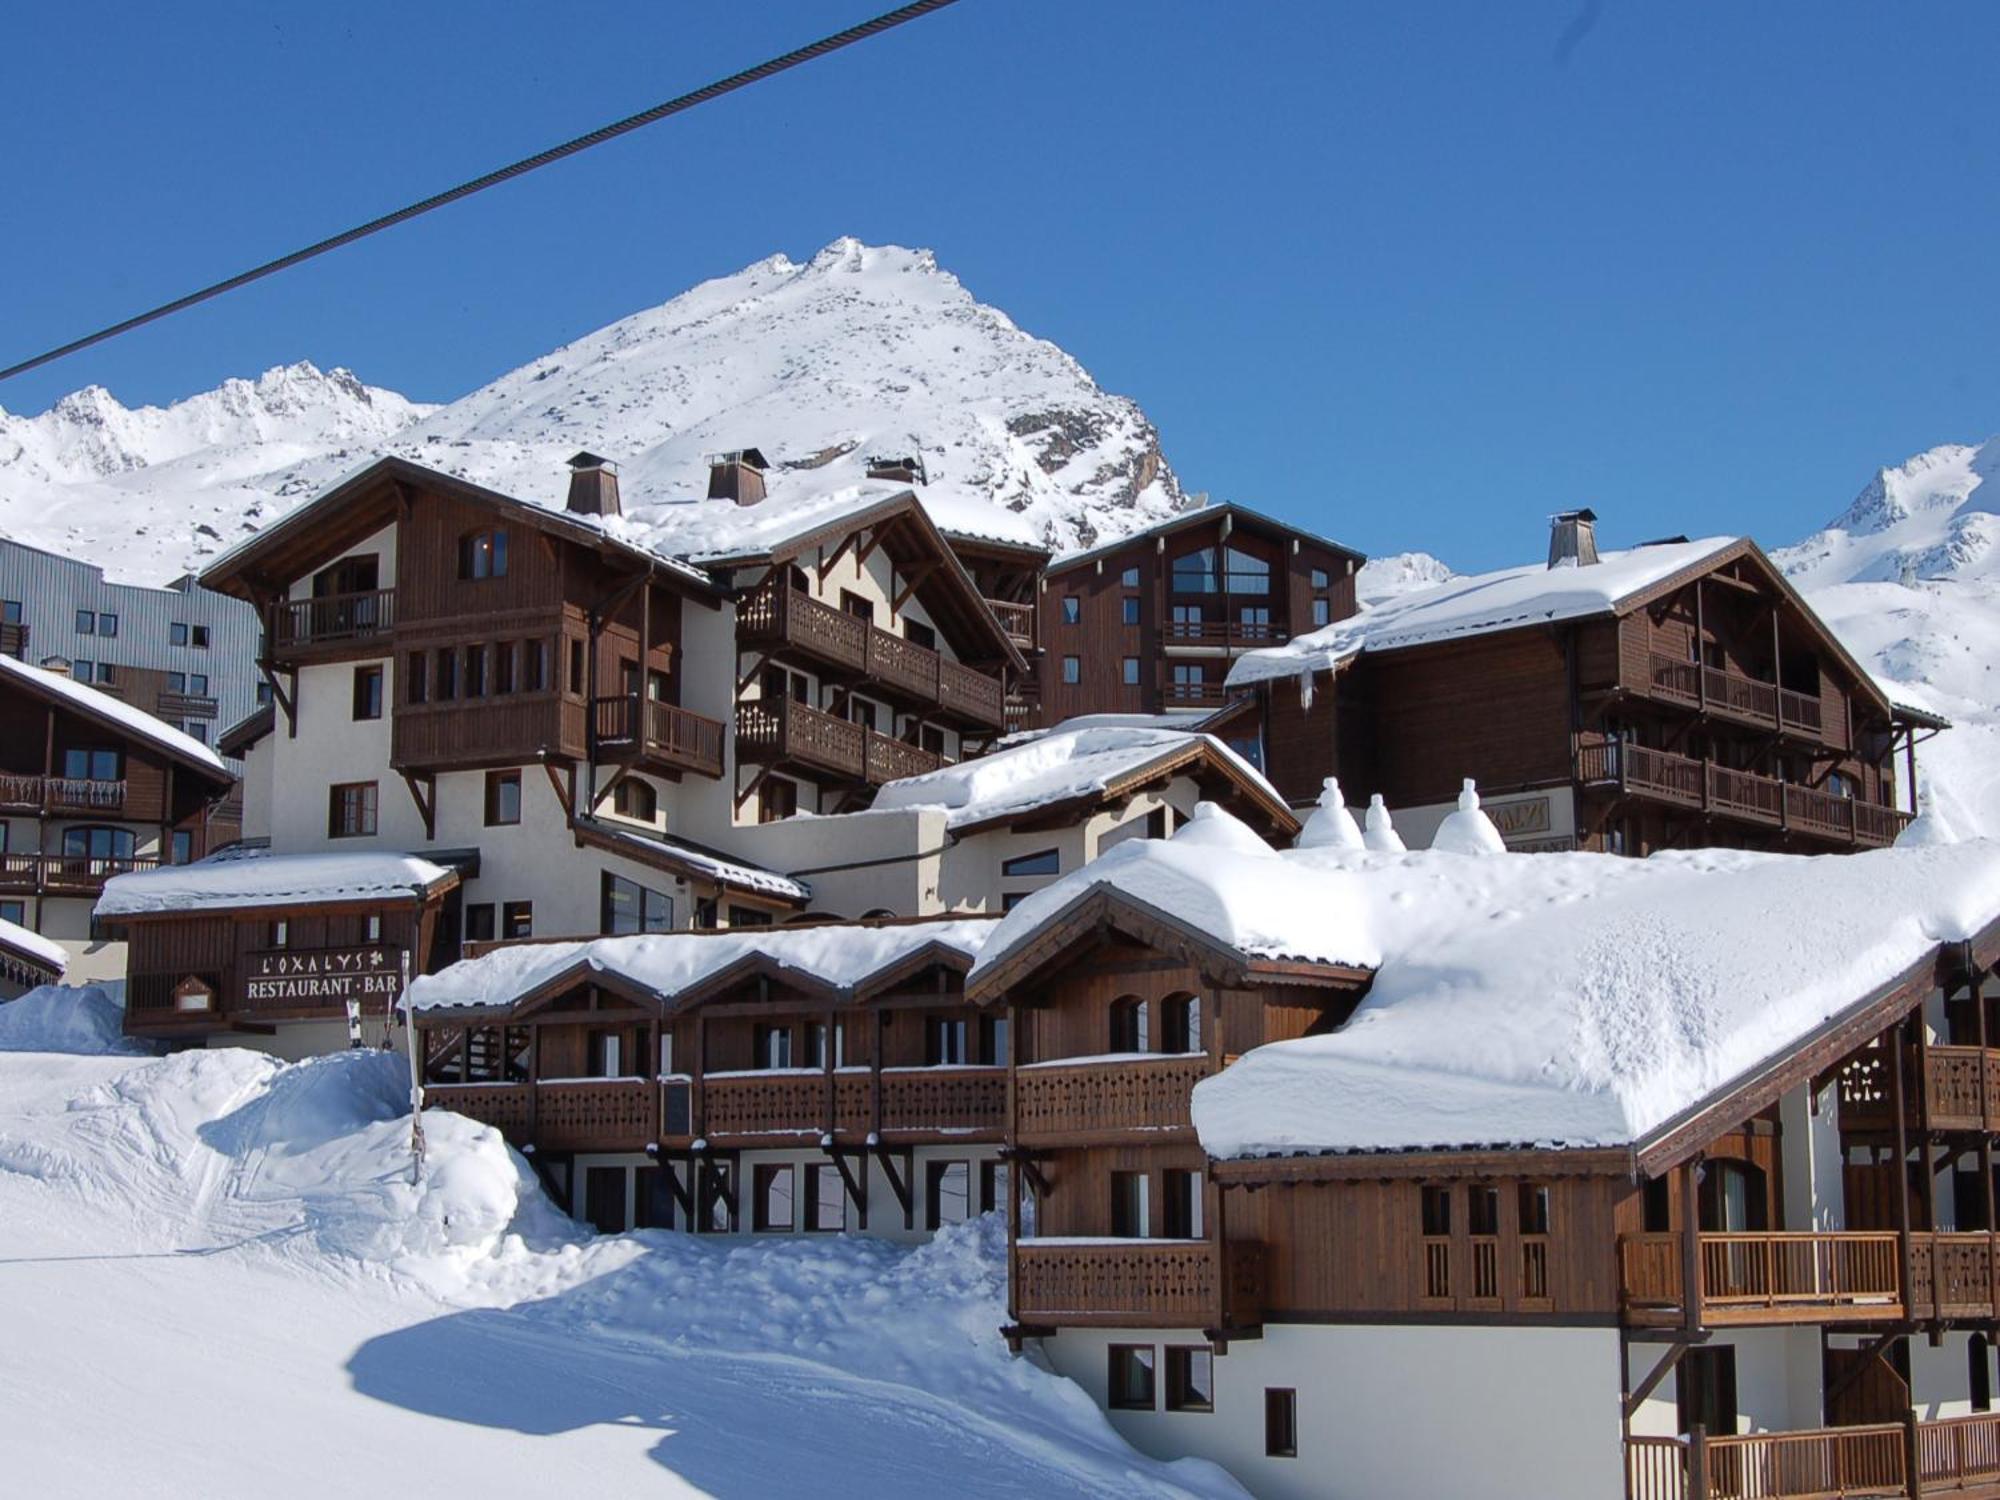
{"points": [[717, 867], [1189, 518], [1181, 719], [1054, 767], [137, 722], [1477, 605], [1548, 999], [33, 945], [839, 955], [255, 877]]}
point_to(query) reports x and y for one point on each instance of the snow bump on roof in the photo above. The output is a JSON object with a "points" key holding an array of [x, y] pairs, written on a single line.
{"points": [[139, 723], [838, 955], [33, 945], [253, 877], [1478, 605]]}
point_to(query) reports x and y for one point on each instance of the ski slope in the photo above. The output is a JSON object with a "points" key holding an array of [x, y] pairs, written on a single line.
{"points": [[220, 1282]]}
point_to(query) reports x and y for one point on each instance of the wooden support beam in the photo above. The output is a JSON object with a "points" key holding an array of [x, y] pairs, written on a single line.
{"points": [[911, 584], [282, 698], [876, 536], [899, 1182], [566, 797], [1690, 1249], [426, 800], [763, 659], [857, 1187], [1653, 1378], [683, 1193], [828, 559], [1852, 1374]]}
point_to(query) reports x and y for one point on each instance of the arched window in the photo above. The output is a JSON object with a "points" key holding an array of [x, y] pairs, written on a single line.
{"points": [[483, 554], [1130, 1031], [99, 843], [1180, 1024], [634, 798]]}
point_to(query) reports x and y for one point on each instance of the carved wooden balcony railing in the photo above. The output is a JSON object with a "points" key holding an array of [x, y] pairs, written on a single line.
{"points": [[1018, 620], [65, 874], [68, 793], [1085, 1103], [946, 1102], [663, 733], [1961, 1091], [1745, 796], [776, 616], [1954, 1454], [1764, 1278], [891, 760], [782, 730], [330, 620], [583, 1114], [1138, 1283]]}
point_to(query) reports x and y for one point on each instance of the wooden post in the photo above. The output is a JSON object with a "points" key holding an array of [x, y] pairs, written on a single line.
{"points": [[875, 1074], [1690, 1251], [1697, 1462], [1921, 1034], [698, 1110], [826, 1061], [1913, 1466], [1895, 1037]]}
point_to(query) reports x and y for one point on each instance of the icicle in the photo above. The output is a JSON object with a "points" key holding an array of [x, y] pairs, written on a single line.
{"points": [[1305, 689], [1382, 836], [1331, 825], [1469, 831]]}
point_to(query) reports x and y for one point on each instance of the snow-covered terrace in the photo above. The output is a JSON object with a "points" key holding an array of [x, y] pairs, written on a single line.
{"points": [[1558, 1000]]}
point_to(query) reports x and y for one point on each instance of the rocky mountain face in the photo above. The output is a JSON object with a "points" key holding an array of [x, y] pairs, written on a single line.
{"points": [[861, 351]]}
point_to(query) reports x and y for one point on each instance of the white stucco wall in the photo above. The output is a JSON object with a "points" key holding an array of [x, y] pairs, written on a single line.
{"points": [[1391, 1413], [1779, 1376], [1809, 1145]]}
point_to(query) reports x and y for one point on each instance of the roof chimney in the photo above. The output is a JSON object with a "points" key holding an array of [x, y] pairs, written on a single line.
{"points": [[737, 475], [57, 666], [908, 470], [593, 486], [1573, 538]]}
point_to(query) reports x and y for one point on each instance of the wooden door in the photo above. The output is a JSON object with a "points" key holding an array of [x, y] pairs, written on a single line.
{"points": [[604, 1199], [1880, 1394]]}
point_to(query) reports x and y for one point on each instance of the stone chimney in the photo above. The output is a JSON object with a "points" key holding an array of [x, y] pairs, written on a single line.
{"points": [[593, 486], [1573, 538], [908, 470], [737, 475]]}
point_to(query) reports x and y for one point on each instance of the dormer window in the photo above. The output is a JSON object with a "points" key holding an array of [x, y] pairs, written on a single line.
{"points": [[482, 554]]}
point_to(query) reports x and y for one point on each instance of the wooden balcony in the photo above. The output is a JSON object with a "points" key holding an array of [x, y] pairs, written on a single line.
{"points": [[659, 736], [60, 794], [334, 623], [503, 729], [784, 732], [584, 1114], [1105, 1103], [1138, 1283], [1740, 699], [1958, 1455], [1209, 693], [64, 874], [171, 705], [1018, 620], [1223, 635], [1741, 796], [778, 617], [1961, 1091], [14, 639]]}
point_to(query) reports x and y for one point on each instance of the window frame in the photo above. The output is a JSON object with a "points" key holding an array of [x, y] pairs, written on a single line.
{"points": [[1026, 866], [1121, 1391], [1281, 1422], [365, 803], [366, 700], [1179, 1360], [497, 785], [482, 554], [764, 1177]]}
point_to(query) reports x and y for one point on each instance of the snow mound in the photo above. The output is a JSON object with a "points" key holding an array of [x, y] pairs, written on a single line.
{"points": [[1468, 830], [1381, 835], [87, 1019], [1331, 825]]}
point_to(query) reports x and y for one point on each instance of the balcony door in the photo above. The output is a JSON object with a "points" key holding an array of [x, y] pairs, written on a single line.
{"points": [[1734, 1198], [1706, 1387]]}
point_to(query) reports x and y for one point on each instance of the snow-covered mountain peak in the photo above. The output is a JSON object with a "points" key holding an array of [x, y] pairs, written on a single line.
{"points": [[1930, 518]]}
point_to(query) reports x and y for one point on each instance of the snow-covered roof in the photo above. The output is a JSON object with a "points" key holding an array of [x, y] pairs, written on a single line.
{"points": [[1573, 1000], [255, 877], [841, 956], [133, 721], [695, 860], [1064, 765], [33, 946], [1193, 517], [1181, 719], [1479, 604]]}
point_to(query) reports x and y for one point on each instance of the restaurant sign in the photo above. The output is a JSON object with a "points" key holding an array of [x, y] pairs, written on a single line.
{"points": [[322, 976]]}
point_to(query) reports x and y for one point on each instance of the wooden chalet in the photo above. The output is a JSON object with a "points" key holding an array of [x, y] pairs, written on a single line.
{"points": [[1150, 623], [735, 1082], [1675, 695], [28, 961]]}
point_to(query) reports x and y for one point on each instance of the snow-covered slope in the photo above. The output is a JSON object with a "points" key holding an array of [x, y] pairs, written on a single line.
{"points": [[1909, 575], [860, 351], [217, 1238]]}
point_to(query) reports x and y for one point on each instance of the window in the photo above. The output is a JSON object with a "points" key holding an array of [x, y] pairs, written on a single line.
{"points": [[1131, 1205], [858, 605], [1534, 1198], [861, 711], [503, 667], [931, 737], [919, 634], [1319, 578], [177, 682], [1129, 1029], [947, 1193], [1011, 899], [748, 916], [482, 554], [1072, 609], [90, 765], [993, 1040], [1247, 574], [1190, 1378], [944, 1042], [373, 929], [417, 680], [503, 798], [106, 672], [198, 684], [606, 1059], [1437, 1211], [177, 634], [367, 692], [198, 637], [1979, 1367], [86, 622], [475, 671], [1041, 862], [772, 1213], [1181, 1205], [1194, 572], [630, 907], [1180, 1024], [107, 624], [1322, 612], [1072, 669], [447, 674], [576, 666], [194, 729], [517, 919], [1257, 617], [534, 666], [778, 800], [1705, 1382], [10, 614], [826, 1199], [479, 926], [263, 694], [634, 798], [1129, 671], [1281, 1423], [15, 912], [180, 849], [1190, 680], [1128, 609], [1129, 578], [773, 1046], [1130, 1387], [99, 843], [351, 810], [994, 1185], [1482, 1210], [80, 670], [280, 935]]}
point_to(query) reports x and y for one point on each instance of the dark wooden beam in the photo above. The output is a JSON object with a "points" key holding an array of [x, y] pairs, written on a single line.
{"points": [[426, 800]]}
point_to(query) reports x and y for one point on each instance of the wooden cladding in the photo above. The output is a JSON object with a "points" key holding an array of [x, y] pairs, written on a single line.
{"points": [[778, 616], [509, 730], [1139, 1283], [1743, 796], [234, 956], [1071, 1104]]}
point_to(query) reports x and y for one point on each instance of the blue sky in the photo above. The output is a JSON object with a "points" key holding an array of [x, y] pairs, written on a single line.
{"points": [[1413, 274]]}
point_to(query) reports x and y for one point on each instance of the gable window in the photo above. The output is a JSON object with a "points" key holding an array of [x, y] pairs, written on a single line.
{"points": [[351, 808], [367, 692], [1319, 578], [947, 1193], [517, 919], [1130, 1383], [1129, 578], [1131, 1205], [483, 554], [605, 1058], [1072, 669], [417, 677], [1248, 574], [90, 765], [1195, 573], [633, 798], [919, 634], [772, 1211], [1129, 1029], [774, 1046], [1072, 609], [1041, 862], [503, 798], [278, 935], [1190, 1378], [629, 907]]}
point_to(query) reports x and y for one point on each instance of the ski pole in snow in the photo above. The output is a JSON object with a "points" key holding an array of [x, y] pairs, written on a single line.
{"points": [[416, 1080]]}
